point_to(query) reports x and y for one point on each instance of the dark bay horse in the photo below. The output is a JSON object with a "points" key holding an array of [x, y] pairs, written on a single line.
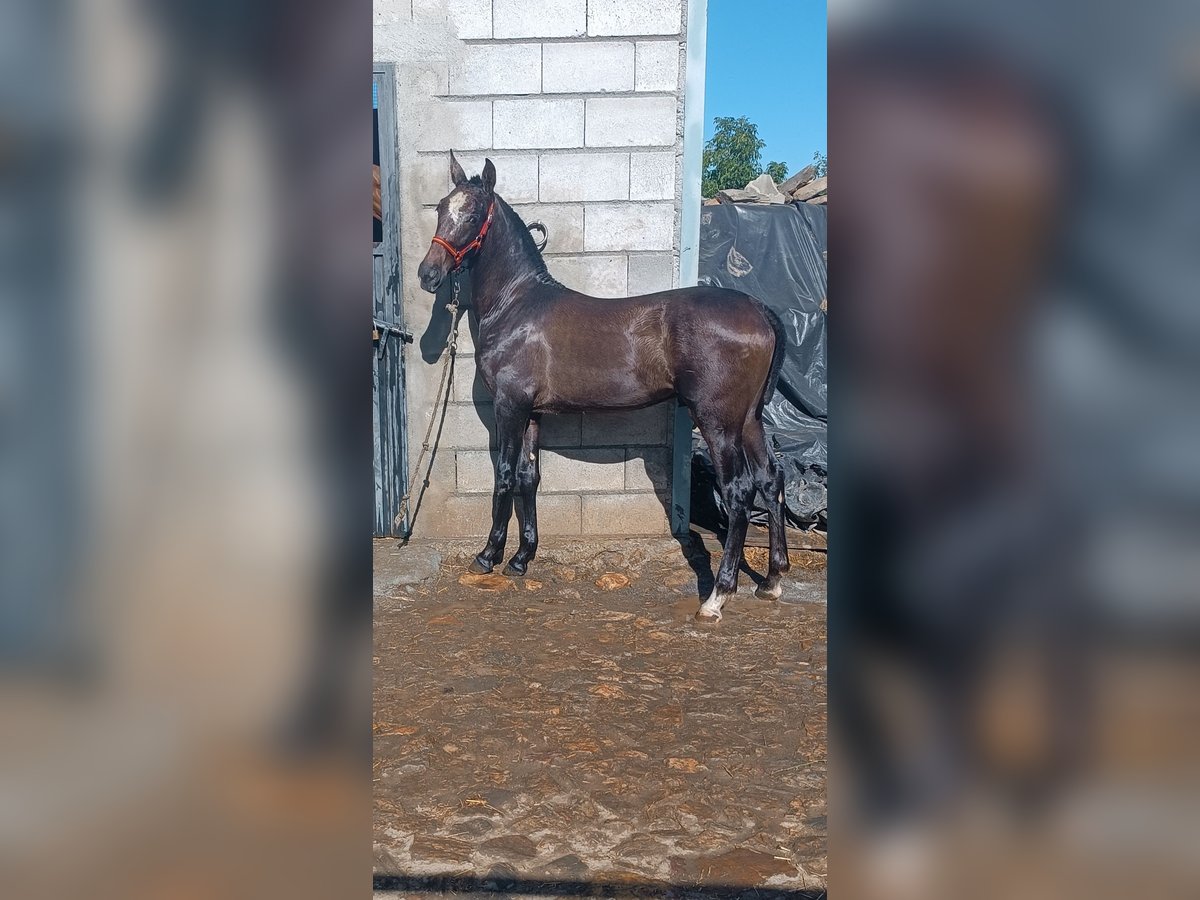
{"points": [[543, 348]]}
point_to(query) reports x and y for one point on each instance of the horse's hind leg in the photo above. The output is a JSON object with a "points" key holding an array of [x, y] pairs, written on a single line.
{"points": [[737, 488], [768, 478], [528, 478]]}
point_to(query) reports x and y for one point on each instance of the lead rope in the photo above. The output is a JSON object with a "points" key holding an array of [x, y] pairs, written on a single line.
{"points": [[440, 401]]}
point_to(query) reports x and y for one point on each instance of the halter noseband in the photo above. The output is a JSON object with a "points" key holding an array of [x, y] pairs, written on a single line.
{"points": [[459, 255]]}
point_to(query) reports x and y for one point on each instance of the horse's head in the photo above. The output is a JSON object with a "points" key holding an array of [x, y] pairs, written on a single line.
{"points": [[463, 221]]}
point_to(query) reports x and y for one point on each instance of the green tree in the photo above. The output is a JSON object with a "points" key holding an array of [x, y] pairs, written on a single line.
{"points": [[821, 161], [778, 171], [732, 156]]}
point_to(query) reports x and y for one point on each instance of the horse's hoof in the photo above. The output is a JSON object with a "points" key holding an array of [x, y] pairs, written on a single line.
{"points": [[513, 572], [766, 593], [710, 609], [478, 568]]}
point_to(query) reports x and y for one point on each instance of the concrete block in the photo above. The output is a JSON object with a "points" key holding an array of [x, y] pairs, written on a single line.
{"points": [[564, 223], [456, 125], [539, 18], [600, 276], [651, 273], [657, 66], [561, 430], [648, 470], [469, 426], [393, 12], [652, 176], [427, 219], [631, 121], [470, 515], [441, 479], [475, 471], [425, 12], [583, 176], [592, 67], [429, 177], [624, 514], [466, 387], [634, 17], [497, 69], [459, 515], [422, 225], [629, 226], [416, 77], [470, 18], [557, 514], [583, 470], [516, 176], [462, 379], [538, 124], [633, 427]]}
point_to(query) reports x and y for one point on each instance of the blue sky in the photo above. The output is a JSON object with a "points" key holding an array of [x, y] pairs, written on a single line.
{"points": [[766, 61]]}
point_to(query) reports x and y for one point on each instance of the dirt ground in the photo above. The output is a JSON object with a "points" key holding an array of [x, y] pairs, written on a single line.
{"points": [[576, 731]]}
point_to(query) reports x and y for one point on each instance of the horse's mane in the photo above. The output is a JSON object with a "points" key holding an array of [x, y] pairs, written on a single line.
{"points": [[530, 252]]}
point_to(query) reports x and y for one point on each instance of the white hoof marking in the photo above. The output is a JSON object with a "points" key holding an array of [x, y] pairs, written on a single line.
{"points": [[711, 608]]}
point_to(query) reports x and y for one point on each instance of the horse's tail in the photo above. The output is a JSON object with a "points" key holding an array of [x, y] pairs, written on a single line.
{"points": [[777, 356]]}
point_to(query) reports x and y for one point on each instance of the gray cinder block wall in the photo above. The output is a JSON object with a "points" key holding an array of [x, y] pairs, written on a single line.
{"points": [[579, 103]]}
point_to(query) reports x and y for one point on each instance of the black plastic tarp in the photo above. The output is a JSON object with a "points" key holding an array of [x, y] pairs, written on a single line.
{"points": [[776, 253]]}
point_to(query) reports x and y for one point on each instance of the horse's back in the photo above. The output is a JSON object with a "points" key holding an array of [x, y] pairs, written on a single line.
{"points": [[712, 316], [632, 351], [696, 325], [713, 312]]}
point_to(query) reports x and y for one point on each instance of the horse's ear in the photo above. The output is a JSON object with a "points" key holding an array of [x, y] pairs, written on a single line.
{"points": [[457, 176], [489, 175]]}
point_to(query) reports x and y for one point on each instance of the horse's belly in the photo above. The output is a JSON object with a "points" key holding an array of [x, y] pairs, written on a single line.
{"points": [[574, 388]]}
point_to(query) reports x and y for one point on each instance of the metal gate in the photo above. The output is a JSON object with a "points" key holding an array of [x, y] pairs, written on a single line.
{"points": [[390, 415]]}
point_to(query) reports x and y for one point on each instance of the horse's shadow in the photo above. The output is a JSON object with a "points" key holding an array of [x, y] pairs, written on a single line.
{"points": [[647, 465], [437, 330], [704, 564]]}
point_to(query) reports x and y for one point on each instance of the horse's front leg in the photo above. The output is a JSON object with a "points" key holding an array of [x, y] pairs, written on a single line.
{"points": [[510, 430], [528, 478]]}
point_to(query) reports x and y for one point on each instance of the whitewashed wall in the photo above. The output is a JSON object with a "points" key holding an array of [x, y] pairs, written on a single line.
{"points": [[579, 104]]}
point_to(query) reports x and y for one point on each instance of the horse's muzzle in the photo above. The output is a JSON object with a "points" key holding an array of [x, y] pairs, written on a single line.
{"points": [[431, 277]]}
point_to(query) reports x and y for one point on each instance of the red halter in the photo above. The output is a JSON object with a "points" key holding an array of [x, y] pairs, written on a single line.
{"points": [[474, 245]]}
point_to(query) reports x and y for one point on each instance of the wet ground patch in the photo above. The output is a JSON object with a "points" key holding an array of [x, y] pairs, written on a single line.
{"points": [[578, 727]]}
